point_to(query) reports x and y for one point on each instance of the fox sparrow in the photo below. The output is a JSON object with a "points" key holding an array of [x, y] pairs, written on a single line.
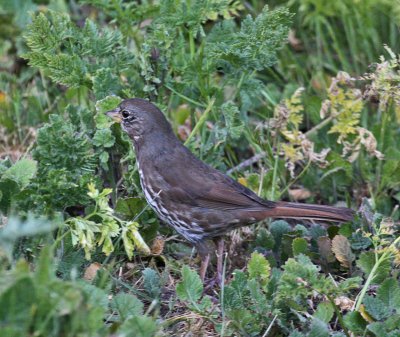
{"points": [[196, 200]]}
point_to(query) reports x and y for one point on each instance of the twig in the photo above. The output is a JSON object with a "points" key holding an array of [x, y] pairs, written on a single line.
{"points": [[247, 162], [269, 326]]}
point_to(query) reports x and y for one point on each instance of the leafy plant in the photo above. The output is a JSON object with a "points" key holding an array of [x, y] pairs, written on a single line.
{"points": [[101, 225]]}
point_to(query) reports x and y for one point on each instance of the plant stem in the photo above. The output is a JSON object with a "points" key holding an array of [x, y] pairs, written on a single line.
{"points": [[325, 122], [201, 121], [185, 97], [372, 275], [191, 45], [274, 174], [297, 178]]}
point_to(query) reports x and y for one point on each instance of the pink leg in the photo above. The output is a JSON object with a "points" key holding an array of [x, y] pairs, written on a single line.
{"points": [[203, 251]]}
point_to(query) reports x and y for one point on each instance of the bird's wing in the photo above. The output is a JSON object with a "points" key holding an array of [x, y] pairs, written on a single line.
{"points": [[201, 185]]}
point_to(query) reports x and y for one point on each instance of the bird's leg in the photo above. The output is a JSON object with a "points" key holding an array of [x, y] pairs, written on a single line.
{"points": [[220, 259], [205, 259], [204, 265]]}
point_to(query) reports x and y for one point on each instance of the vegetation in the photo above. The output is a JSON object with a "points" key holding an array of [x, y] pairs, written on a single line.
{"points": [[298, 100]]}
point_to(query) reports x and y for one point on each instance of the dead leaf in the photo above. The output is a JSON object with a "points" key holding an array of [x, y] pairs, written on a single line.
{"points": [[157, 246], [299, 193], [91, 271], [344, 303], [294, 41], [342, 250], [325, 248], [387, 226]]}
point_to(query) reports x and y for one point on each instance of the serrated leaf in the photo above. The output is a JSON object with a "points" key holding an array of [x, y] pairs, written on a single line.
{"points": [[190, 288], [354, 322], [105, 83], [259, 268], [389, 293], [324, 312], [342, 250], [378, 328], [127, 306], [21, 172], [152, 282], [299, 246], [108, 103], [104, 138], [376, 308], [278, 228], [102, 106], [233, 122], [367, 261], [237, 292], [318, 329], [139, 326]]}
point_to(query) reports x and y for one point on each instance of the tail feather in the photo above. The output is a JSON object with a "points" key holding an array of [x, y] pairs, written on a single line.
{"points": [[305, 211]]}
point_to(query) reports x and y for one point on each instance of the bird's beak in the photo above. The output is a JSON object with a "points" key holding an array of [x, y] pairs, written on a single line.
{"points": [[115, 115]]}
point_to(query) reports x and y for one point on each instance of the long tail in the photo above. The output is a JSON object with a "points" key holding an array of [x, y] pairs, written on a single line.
{"points": [[305, 211]]}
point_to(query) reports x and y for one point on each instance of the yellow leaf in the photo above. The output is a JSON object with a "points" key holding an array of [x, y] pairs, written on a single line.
{"points": [[365, 314], [243, 181]]}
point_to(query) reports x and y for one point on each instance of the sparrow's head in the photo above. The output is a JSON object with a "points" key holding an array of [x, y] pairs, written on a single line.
{"points": [[139, 117]]}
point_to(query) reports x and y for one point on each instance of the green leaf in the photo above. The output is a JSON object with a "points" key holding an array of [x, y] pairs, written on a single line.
{"points": [[152, 282], [9, 189], [233, 122], [324, 312], [21, 172], [191, 287], [44, 272], [16, 303], [354, 322], [105, 83], [278, 229], [255, 45], [237, 292], [95, 296], [259, 268], [376, 308], [299, 246], [17, 228], [389, 293], [106, 104], [138, 326], [367, 261], [103, 138], [127, 306], [318, 329]]}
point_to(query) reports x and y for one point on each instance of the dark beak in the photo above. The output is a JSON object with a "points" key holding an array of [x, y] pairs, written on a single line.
{"points": [[115, 115]]}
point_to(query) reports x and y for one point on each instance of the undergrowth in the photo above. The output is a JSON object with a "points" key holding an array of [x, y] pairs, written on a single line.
{"points": [[298, 100]]}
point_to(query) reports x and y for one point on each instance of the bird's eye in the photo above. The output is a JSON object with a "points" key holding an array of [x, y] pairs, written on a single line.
{"points": [[125, 114]]}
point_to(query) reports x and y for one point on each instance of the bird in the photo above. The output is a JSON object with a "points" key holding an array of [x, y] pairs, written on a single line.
{"points": [[199, 202]]}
